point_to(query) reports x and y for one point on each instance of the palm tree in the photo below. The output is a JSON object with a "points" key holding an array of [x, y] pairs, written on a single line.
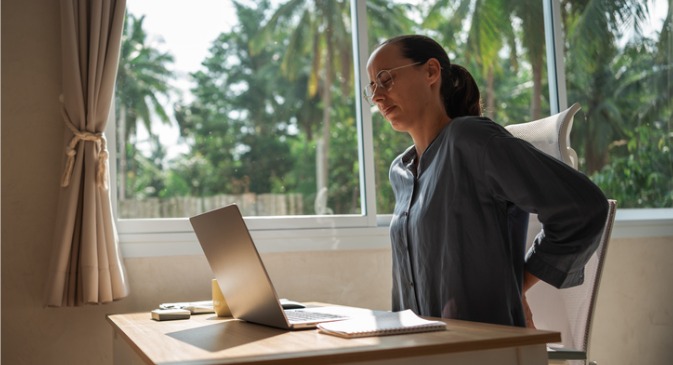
{"points": [[593, 30], [236, 122], [142, 77], [640, 168], [320, 30], [490, 31], [663, 71], [533, 42]]}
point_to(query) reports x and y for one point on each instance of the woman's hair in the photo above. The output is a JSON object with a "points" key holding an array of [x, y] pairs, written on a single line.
{"points": [[459, 91]]}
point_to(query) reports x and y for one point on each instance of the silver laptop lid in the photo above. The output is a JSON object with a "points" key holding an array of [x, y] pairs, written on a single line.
{"points": [[237, 266]]}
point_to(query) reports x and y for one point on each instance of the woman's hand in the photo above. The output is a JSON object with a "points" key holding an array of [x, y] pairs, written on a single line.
{"points": [[527, 312], [528, 281]]}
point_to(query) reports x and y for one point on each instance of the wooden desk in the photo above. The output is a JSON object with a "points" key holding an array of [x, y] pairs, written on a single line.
{"points": [[207, 339]]}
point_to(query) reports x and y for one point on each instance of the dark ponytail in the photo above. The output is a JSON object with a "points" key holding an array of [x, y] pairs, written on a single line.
{"points": [[459, 91], [461, 96]]}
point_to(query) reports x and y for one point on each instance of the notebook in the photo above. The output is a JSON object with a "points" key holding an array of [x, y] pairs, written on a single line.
{"points": [[243, 279], [381, 324]]}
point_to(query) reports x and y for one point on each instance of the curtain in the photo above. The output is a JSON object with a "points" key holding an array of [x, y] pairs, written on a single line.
{"points": [[86, 265]]}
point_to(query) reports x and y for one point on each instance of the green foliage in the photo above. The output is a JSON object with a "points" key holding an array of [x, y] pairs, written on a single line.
{"points": [[303, 177], [641, 176], [142, 78], [388, 144], [254, 121], [609, 79], [627, 89], [344, 172], [281, 80], [237, 125]]}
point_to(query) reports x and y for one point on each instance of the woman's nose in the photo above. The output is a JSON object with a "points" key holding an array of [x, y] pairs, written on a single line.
{"points": [[379, 94]]}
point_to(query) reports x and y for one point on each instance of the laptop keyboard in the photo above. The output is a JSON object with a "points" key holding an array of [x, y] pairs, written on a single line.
{"points": [[298, 315]]}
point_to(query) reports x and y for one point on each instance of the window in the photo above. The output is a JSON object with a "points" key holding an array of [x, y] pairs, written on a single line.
{"points": [[266, 118], [618, 65], [502, 45], [250, 111]]}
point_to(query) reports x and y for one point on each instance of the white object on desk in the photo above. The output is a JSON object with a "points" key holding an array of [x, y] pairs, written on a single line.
{"points": [[170, 314], [381, 324]]}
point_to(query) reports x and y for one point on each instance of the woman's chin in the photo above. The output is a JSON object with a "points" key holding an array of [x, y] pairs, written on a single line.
{"points": [[398, 127]]}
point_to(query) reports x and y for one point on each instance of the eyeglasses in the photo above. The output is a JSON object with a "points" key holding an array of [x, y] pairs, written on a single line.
{"points": [[384, 80]]}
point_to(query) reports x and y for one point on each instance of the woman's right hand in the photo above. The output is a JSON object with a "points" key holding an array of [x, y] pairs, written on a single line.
{"points": [[528, 281], [527, 312]]}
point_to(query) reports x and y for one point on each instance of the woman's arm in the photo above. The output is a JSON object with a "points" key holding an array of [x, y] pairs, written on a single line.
{"points": [[572, 209]]}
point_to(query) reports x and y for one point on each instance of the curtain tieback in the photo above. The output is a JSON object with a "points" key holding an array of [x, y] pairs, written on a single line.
{"points": [[71, 152]]}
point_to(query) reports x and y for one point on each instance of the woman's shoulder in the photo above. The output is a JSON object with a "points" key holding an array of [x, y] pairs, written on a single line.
{"points": [[474, 123], [474, 128], [406, 156]]}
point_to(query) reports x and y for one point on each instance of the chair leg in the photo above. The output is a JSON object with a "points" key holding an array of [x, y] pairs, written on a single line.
{"points": [[566, 362]]}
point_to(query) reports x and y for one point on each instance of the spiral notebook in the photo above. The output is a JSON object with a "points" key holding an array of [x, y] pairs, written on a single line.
{"points": [[381, 324]]}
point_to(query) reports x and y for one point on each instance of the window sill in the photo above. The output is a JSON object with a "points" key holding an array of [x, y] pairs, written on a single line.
{"points": [[629, 223], [179, 244]]}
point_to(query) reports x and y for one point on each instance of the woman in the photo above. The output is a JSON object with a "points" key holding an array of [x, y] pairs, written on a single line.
{"points": [[463, 192]]}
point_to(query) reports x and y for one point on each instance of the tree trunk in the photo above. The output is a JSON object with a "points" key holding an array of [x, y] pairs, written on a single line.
{"points": [[323, 167]]}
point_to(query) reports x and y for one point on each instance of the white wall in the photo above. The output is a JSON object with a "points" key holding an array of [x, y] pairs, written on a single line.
{"points": [[634, 320]]}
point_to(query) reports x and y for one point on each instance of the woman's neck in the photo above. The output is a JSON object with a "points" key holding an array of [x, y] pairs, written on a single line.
{"points": [[427, 132]]}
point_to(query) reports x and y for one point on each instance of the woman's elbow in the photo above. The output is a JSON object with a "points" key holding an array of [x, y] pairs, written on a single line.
{"points": [[598, 212]]}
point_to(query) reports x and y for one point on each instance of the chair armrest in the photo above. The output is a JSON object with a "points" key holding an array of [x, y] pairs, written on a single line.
{"points": [[560, 353]]}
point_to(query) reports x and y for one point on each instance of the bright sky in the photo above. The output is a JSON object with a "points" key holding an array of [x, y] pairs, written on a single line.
{"points": [[174, 26], [171, 25], [206, 18]]}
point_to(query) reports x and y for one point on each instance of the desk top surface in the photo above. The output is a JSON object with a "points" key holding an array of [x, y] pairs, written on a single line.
{"points": [[208, 339]]}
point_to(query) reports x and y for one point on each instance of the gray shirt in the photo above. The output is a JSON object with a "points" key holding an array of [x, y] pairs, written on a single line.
{"points": [[461, 213]]}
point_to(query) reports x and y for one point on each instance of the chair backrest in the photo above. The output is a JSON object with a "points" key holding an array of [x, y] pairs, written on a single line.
{"points": [[581, 300], [570, 310], [551, 134]]}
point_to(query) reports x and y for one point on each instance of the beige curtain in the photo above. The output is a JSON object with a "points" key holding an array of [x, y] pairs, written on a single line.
{"points": [[86, 266]]}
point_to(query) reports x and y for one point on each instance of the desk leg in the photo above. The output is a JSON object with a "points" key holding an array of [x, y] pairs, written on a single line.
{"points": [[536, 354], [123, 354]]}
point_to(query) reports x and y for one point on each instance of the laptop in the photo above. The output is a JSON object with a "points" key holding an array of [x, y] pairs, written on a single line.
{"points": [[243, 279]]}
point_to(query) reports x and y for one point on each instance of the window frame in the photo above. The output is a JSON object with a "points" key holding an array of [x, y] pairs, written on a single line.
{"points": [[175, 236]]}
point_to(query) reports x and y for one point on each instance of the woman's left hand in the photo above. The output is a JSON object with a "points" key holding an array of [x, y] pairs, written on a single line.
{"points": [[528, 281], [527, 312]]}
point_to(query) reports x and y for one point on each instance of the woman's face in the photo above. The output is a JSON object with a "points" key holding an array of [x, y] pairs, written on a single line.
{"points": [[406, 100]]}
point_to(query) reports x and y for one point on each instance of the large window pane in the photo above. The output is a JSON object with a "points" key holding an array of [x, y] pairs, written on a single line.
{"points": [[253, 113], [263, 115], [619, 67]]}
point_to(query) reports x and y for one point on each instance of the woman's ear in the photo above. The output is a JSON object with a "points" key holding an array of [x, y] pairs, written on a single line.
{"points": [[434, 70]]}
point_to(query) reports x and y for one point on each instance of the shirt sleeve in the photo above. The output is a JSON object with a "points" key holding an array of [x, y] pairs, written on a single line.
{"points": [[571, 208]]}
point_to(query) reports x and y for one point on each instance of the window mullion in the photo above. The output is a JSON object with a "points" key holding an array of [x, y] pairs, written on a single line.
{"points": [[558, 98], [363, 114]]}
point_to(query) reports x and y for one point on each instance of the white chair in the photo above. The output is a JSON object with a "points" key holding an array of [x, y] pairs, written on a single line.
{"points": [[550, 135], [569, 311]]}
